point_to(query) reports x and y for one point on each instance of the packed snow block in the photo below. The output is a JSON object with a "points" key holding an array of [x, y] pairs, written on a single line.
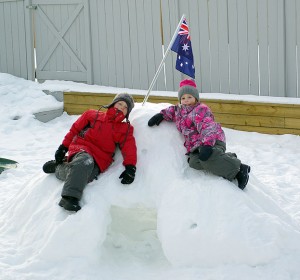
{"points": [[47, 116], [59, 96], [133, 230], [209, 225], [80, 235], [44, 231]]}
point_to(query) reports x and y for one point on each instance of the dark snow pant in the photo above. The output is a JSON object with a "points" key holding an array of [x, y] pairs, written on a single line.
{"points": [[226, 165], [77, 174]]}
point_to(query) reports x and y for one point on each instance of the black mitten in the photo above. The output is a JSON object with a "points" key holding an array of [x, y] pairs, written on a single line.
{"points": [[205, 152], [60, 153], [156, 119], [128, 174]]}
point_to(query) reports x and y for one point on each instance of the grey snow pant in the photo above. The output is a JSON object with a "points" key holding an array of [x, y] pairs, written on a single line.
{"points": [[77, 174], [226, 165]]}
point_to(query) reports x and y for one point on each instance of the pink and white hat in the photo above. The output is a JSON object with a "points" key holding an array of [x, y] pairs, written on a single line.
{"points": [[188, 87]]}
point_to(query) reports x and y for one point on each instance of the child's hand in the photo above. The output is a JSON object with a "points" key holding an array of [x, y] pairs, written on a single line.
{"points": [[128, 174], [156, 119], [60, 153], [205, 152]]}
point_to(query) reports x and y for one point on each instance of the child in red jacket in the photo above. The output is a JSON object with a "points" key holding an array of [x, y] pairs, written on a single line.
{"points": [[91, 144]]}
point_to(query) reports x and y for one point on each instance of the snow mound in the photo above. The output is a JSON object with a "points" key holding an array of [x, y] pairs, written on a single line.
{"points": [[195, 218]]}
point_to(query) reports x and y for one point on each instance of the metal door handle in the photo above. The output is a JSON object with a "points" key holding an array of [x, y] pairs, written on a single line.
{"points": [[34, 7]]}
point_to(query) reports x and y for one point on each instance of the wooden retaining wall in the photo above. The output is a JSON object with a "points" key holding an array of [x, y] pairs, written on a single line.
{"points": [[270, 118]]}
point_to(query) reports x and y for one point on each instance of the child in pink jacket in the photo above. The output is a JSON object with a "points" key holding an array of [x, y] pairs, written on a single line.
{"points": [[204, 138]]}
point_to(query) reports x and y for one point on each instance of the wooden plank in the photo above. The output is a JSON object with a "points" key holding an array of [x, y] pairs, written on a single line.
{"points": [[29, 43], [87, 47], [291, 43], [170, 19], [214, 45], [57, 2], [281, 71], [147, 14], [125, 44], [3, 59], [250, 120], [223, 46], [157, 43], [243, 47], [118, 43], [22, 33], [175, 18], [254, 110], [103, 61], [78, 109], [223, 106], [298, 44], [249, 116], [96, 45], [110, 32], [266, 130], [253, 47], [204, 47], [57, 75], [142, 46], [263, 46], [166, 30], [8, 37], [134, 45], [194, 25], [2, 1], [233, 47], [62, 61], [292, 123], [88, 99], [273, 25], [15, 40]]}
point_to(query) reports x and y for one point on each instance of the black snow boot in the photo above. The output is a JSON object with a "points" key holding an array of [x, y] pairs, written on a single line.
{"points": [[70, 203], [50, 166], [243, 176]]}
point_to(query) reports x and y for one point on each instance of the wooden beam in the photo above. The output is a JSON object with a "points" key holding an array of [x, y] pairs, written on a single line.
{"points": [[270, 118]]}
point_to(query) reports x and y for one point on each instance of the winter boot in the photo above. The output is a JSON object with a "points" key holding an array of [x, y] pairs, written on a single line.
{"points": [[70, 203], [243, 176], [50, 166]]}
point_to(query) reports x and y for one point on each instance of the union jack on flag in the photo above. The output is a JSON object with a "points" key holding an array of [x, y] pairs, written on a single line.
{"points": [[183, 47]]}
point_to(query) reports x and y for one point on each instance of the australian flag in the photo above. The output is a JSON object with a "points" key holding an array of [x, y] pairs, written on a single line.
{"points": [[183, 47]]}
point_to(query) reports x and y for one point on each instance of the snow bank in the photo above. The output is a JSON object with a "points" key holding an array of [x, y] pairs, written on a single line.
{"points": [[197, 219]]}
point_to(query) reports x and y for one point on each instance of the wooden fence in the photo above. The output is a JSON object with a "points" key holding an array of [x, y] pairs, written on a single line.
{"points": [[267, 118]]}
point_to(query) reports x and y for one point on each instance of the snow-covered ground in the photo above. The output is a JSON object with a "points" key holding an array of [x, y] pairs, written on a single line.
{"points": [[172, 222]]}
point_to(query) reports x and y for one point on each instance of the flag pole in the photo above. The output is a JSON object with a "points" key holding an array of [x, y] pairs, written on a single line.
{"points": [[163, 60]]}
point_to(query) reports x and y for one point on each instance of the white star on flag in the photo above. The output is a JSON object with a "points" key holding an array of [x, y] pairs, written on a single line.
{"points": [[185, 47]]}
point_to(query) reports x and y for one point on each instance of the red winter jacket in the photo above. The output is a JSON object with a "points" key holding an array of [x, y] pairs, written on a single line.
{"points": [[98, 133]]}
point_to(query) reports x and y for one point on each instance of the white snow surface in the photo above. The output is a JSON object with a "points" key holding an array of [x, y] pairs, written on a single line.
{"points": [[172, 222]]}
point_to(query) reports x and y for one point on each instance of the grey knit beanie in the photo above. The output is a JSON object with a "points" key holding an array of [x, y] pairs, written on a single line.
{"points": [[188, 87], [123, 97]]}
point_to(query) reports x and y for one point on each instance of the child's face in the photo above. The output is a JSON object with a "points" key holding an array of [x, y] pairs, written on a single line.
{"points": [[188, 99], [122, 106]]}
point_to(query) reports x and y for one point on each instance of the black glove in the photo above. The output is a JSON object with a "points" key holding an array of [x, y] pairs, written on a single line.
{"points": [[156, 119], [128, 174], [60, 153], [205, 152]]}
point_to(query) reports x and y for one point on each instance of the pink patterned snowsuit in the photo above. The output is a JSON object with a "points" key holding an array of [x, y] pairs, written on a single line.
{"points": [[197, 125]]}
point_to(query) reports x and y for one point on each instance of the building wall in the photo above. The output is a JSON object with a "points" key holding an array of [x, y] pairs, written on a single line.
{"points": [[239, 46]]}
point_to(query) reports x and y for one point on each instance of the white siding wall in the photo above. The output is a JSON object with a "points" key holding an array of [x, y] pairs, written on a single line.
{"points": [[239, 46], [13, 58]]}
